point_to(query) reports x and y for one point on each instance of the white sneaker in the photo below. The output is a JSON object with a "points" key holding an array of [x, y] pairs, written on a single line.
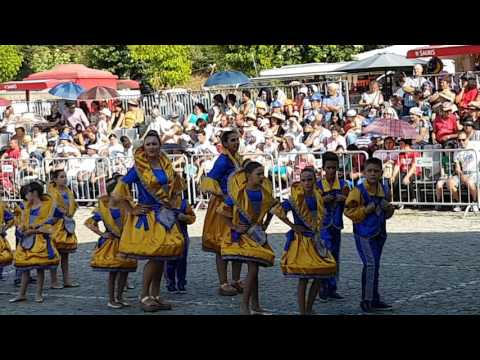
{"points": [[457, 209], [475, 209]]}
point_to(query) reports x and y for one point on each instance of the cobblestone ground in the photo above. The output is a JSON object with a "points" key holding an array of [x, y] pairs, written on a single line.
{"points": [[430, 266]]}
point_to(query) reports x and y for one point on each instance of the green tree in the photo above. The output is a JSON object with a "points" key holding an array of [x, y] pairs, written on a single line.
{"points": [[45, 58], [166, 65], [116, 59], [10, 62]]}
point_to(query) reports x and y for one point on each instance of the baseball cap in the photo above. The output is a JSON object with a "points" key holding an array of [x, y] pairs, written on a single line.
{"points": [[316, 97], [106, 112], [351, 113], [65, 137], [416, 111], [276, 104]]}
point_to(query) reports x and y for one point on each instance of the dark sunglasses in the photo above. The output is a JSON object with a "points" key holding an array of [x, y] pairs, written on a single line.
{"points": [[462, 140]]}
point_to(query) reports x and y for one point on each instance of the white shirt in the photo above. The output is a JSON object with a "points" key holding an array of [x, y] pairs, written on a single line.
{"points": [[205, 147], [115, 150], [40, 140], [88, 164], [67, 149], [467, 158]]}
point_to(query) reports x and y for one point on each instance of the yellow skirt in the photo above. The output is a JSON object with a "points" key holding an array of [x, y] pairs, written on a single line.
{"points": [[302, 260], [107, 258], [248, 249], [215, 231], [42, 255], [155, 243], [6, 255], [64, 242]]}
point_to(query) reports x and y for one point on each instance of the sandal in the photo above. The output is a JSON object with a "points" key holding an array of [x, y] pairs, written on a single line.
{"points": [[227, 290], [123, 303], [162, 305], [17, 299], [56, 287], [149, 304], [72, 285], [114, 305], [238, 285], [39, 299]]}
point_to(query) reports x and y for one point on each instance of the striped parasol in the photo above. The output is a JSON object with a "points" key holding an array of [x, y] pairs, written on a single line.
{"points": [[391, 127]]}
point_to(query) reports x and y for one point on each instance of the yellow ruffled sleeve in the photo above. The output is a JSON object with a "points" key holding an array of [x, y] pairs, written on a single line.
{"points": [[354, 208], [225, 210], [122, 192], [209, 185]]}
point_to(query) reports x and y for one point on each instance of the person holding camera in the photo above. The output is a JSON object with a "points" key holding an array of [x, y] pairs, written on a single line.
{"points": [[372, 99]]}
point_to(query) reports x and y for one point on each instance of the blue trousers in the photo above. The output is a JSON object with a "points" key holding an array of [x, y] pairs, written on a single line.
{"points": [[177, 269], [370, 252], [332, 237]]}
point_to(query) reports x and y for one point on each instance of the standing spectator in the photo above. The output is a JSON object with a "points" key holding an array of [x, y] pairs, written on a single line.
{"points": [[73, 116], [134, 116], [248, 106], [316, 101], [13, 151], [231, 103], [19, 135], [388, 158], [103, 126], [39, 138], [332, 142], [333, 103], [265, 95], [412, 85], [446, 125], [157, 122], [83, 105], [468, 93], [199, 112], [118, 115], [466, 168], [372, 99], [79, 140], [93, 117], [447, 171]]}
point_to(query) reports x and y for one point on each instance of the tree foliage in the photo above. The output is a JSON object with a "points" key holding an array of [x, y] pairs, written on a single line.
{"points": [[116, 59], [10, 62], [166, 65], [45, 58]]}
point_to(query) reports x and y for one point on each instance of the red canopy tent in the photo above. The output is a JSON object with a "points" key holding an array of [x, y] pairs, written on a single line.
{"points": [[79, 74]]}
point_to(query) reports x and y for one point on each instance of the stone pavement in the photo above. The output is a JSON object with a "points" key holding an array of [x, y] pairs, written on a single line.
{"points": [[430, 266]]}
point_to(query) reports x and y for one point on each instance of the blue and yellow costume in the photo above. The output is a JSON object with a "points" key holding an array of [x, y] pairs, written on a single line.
{"points": [[106, 256], [41, 252], [215, 231], [301, 258], [65, 242], [145, 236], [247, 207], [7, 218], [333, 225], [370, 233], [177, 269]]}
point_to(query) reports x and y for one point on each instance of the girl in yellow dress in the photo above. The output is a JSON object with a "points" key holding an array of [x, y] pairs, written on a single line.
{"points": [[105, 256], [305, 256], [8, 220], [244, 210], [36, 249], [151, 230], [215, 231], [64, 229]]}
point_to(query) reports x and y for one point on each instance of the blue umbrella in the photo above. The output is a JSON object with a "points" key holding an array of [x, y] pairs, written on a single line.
{"points": [[67, 90], [227, 78]]}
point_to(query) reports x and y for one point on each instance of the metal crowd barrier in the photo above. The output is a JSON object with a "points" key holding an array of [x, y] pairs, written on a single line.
{"points": [[16, 173], [289, 166], [434, 181]]}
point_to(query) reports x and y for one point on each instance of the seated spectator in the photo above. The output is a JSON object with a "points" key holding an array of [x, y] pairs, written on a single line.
{"points": [[53, 134], [133, 117], [468, 93], [231, 108], [333, 103], [199, 112], [444, 94], [337, 121], [473, 111], [203, 145], [118, 115], [406, 171], [79, 140], [90, 136], [19, 135], [466, 166], [276, 121], [248, 106], [472, 134], [331, 143], [411, 86], [294, 128], [396, 104], [74, 115], [277, 107], [421, 125], [66, 148], [390, 113], [205, 126], [446, 125], [103, 125], [114, 147], [316, 139], [39, 138], [13, 151], [371, 99], [352, 127], [217, 109], [271, 146]]}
